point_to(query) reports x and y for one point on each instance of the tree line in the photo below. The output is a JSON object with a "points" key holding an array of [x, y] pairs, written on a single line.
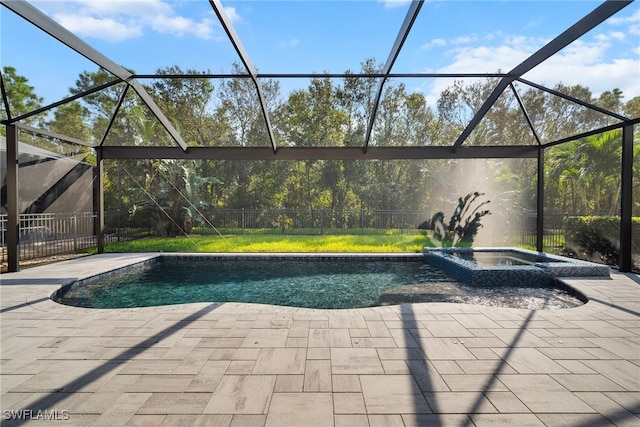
{"points": [[581, 177]]}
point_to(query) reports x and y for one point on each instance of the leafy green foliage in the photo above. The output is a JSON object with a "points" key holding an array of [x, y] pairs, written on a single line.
{"points": [[596, 238], [21, 96], [581, 177], [464, 224], [587, 173]]}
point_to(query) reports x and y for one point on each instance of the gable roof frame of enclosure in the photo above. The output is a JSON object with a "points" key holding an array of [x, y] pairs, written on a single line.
{"points": [[457, 150]]}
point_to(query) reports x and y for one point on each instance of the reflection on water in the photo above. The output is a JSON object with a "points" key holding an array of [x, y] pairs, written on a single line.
{"points": [[500, 258]]}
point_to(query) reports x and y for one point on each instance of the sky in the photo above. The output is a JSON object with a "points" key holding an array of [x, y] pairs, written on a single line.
{"points": [[449, 36]]}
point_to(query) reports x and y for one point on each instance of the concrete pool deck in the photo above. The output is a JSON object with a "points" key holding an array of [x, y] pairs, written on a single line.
{"points": [[230, 364]]}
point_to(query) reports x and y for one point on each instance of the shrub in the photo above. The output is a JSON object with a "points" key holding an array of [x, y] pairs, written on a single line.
{"points": [[596, 238], [463, 225]]}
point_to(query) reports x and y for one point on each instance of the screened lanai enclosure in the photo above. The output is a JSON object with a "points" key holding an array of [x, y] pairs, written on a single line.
{"points": [[135, 118]]}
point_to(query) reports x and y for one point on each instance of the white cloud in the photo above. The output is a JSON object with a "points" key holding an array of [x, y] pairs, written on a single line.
{"points": [[433, 43], [233, 14], [618, 35], [490, 58], [591, 63], [180, 26], [139, 8], [612, 36], [631, 22], [391, 4], [289, 43], [464, 39], [597, 75], [106, 28], [117, 20]]}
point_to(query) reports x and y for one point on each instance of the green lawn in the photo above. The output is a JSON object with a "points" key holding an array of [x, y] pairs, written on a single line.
{"points": [[276, 243]]}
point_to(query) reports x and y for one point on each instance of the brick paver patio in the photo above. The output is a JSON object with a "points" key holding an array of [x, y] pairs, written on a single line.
{"points": [[232, 364]]}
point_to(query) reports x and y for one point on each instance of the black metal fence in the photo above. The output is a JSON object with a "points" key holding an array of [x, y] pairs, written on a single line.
{"points": [[45, 235], [553, 233], [310, 221], [51, 234]]}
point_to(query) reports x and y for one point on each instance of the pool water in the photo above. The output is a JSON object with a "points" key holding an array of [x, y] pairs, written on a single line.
{"points": [[500, 258], [334, 284]]}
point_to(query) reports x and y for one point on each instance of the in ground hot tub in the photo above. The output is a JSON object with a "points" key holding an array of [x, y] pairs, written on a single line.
{"points": [[509, 266]]}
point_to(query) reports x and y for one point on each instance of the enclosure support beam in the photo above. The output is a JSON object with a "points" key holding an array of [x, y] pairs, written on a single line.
{"points": [[540, 203], [13, 213], [321, 153], [525, 113], [626, 199], [225, 21], [52, 134], [409, 19], [99, 199]]}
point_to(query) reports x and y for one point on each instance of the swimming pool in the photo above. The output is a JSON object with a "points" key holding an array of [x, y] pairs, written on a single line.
{"points": [[327, 282]]}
